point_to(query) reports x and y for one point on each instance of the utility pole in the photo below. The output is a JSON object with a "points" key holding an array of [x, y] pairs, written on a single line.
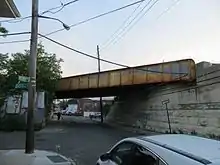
{"points": [[99, 69], [29, 147]]}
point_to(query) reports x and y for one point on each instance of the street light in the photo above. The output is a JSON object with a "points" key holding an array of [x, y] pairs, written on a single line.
{"points": [[64, 25], [29, 146]]}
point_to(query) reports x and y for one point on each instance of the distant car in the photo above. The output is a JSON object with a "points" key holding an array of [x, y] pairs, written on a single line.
{"points": [[95, 115], [69, 113], [63, 112], [163, 150]]}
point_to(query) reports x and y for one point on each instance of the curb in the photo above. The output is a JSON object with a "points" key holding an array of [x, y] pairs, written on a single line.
{"points": [[131, 129]]}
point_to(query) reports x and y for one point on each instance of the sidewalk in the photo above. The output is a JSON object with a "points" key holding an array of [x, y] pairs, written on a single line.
{"points": [[39, 157]]}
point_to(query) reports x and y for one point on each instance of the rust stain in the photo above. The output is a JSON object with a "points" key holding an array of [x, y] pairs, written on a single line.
{"points": [[139, 76], [114, 78], [83, 82], [93, 81], [132, 76], [127, 77], [74, 83], [104, 79]]}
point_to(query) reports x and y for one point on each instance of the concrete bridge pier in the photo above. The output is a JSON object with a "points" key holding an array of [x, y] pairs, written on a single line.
{"points": [[193, 108]]}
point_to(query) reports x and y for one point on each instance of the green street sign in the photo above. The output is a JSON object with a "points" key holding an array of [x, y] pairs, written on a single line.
{"points": [[24, 79], [21, 86]]}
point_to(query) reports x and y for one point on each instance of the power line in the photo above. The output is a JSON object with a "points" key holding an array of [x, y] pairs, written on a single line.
{"points": [[86, 54], [82, 22], [44, 12], [15, 41], [135, 22], [164, 12], [104, 60], [15, 20], [124, 22], [98, 16], [168, 9], [14, 34], [113, 39], [61, 7]]}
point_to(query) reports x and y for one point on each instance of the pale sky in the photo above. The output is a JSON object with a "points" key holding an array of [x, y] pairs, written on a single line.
{"points": [[189, 30]]}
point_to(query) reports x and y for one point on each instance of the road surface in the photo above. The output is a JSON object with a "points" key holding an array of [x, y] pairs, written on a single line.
{"points": [[83, 141]]}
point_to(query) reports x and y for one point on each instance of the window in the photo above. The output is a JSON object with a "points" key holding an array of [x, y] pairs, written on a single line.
{"points": [[161, 162], [144, 157], [128, 153], [122, 154]]}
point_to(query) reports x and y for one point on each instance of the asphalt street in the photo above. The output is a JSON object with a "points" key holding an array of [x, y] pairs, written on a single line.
{"points": [[81, 140]]}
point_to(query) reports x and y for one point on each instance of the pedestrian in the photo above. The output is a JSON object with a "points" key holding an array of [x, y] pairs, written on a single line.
{"points": [[58, 115]]}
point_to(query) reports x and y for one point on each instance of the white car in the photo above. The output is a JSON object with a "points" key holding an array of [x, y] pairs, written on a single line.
{"points": [[172, 149]]}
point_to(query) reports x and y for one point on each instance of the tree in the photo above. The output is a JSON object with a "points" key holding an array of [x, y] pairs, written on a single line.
{"points": [[3, 30], [48, 69], [3, 63], [3, 70], [3, 73]]}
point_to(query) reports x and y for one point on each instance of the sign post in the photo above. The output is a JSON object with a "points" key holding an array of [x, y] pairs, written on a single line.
{"points": [[165, 102]]}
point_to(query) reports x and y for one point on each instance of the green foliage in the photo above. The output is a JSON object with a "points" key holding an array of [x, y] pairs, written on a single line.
{"points": [[48, 70], [3, 76], [3, 30], [3, 63]]}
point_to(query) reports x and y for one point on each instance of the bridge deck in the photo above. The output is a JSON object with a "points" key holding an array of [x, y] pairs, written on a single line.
{"points": [[182, 70]]}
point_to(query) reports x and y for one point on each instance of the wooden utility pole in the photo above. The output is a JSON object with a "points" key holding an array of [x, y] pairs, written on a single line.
{"points": [[29, 146], [99, 70]]}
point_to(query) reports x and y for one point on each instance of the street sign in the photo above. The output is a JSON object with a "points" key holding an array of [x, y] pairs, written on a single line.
{"points": [[24, 79], [21, 86], [165, 101]]}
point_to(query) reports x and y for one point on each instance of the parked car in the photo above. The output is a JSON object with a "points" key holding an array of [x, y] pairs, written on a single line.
{"points": [[163, 150]]}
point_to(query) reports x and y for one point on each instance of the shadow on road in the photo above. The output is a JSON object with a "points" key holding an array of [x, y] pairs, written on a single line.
{"points": [[79, 138]]}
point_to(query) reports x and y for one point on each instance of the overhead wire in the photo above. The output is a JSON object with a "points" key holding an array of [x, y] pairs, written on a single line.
{"points": [[124, 28], [88, 55], [98, 16], [15, 20], [101, 59], [81, 22], [15, 41], [128, 27], [123, 23], [14, 34], [104, 60], [168, 9], [60, 7]]}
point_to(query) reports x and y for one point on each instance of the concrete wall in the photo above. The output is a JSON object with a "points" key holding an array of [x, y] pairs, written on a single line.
{"points": [[192, 109]]}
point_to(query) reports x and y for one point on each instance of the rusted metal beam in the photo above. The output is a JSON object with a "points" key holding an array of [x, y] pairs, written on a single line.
{"points": [[147, 74]]}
